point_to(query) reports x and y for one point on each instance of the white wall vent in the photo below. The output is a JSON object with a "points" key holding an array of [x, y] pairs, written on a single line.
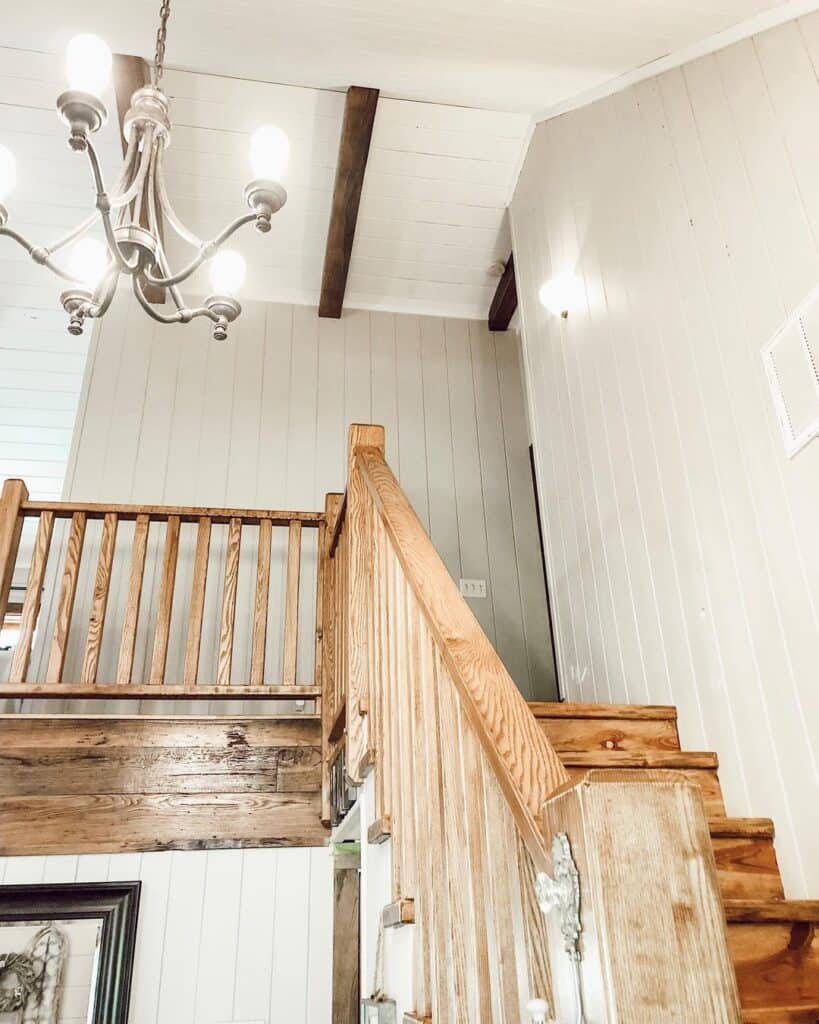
{"points": [[791, 360]]}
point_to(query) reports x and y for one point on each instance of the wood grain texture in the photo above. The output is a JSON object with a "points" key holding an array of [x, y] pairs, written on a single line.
{"points": [[143, 731], [260, 604], [346, 946], [32, 826], [162, 513], [630, 837], [33, 599], [12, 498], [99, 604], [330, 704], [505, 299], [353, 150], [162, 629], [747, 867], [588, 734], [527, 765], [776, 963], [193, 641], [65, 605], [167, 691], [228, 619], [291, 603], [130, 620], [115, 774]]}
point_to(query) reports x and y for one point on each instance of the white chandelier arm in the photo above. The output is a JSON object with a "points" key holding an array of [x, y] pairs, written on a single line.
{"points": [[170, 214], [181, 316], [118, 201], [207, 250], [104, 207], [38, 254], [134, 172], [103, 294]]}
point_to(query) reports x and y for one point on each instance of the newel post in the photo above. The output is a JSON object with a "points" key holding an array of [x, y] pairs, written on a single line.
{"points": [[14, 494], [651, 945], [360, 649]]}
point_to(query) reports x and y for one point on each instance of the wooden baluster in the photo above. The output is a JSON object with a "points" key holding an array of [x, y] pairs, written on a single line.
{"points": [[102, 585], [193, 643], [326, 643], [321, 572], [130, 622], [261, 603], [33, 599], [291, 608], [163, 617], [65, 605], [383, 779], [14, 494], [229, 603]]}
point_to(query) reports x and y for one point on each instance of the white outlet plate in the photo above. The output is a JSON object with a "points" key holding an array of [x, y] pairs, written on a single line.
{"points": [[473, 588]]}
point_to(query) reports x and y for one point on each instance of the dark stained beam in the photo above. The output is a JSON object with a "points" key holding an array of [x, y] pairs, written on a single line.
{"points": [[506, 299], [353, 150], [131, 73]]}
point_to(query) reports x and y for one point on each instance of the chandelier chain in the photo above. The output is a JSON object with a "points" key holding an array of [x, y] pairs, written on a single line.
{"points": [[161, 36]]}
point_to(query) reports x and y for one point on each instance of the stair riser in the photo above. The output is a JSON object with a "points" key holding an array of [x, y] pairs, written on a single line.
{"points": [[747, 868], [610, 734], [777, 964]]}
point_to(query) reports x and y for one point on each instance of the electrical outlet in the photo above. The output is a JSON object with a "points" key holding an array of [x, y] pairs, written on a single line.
{"points": [[473, 588]]}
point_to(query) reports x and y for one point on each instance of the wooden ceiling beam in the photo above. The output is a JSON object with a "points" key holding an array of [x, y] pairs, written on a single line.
{"points": [[353, 151], [505, 301], [129, 74]]}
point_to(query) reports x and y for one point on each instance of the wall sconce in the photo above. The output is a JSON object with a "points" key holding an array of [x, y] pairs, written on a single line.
{"points": [[563, 294]]}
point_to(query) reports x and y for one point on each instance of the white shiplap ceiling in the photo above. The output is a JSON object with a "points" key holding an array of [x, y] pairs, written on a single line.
{"points": [[522, 55]]}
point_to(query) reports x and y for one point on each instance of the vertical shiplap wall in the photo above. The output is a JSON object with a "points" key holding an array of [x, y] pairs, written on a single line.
{"points": [[223, 935], [682, 543], [168, 416]]}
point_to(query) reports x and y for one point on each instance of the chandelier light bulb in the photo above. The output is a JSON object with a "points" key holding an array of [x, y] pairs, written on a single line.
{"points": [[227, 271], [8, 172], [269, 153], [88, 62], [87, 260]]}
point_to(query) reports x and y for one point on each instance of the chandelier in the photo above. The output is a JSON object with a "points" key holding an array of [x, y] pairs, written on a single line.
{"points": [[135, 214]]}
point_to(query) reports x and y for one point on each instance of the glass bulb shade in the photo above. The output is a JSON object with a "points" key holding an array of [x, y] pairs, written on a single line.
{"points": [[88, 63], [87, 260], [562, 294], [227, 271], [269, 153], [8, 172]]}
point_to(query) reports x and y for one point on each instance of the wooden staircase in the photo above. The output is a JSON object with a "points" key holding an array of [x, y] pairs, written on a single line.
{"points": [[774, 942]]}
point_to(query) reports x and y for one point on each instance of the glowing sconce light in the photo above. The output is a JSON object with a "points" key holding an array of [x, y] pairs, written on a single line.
{"points": [[562, 294]]}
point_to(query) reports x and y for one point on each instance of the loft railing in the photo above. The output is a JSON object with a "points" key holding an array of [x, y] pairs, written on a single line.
{"points": [[479, 808], [174, 528]]}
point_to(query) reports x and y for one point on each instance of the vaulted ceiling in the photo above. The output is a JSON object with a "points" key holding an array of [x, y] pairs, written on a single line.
{"points": [[521, 55]]}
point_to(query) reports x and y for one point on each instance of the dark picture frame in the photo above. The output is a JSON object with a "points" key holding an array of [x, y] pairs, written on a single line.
{"points": [[116, 904]]}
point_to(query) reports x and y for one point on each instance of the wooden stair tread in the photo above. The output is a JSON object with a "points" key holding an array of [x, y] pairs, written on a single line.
{"points": [[148, 691], [669, 759], [629, 712], [771, 911], [741, 828], [782, 1015]]}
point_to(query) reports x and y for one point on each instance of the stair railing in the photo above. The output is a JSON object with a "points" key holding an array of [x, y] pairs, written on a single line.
{"points": [[179, 531], [480, 811]]}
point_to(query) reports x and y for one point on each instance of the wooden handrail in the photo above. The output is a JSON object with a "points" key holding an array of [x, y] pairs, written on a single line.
{"points": [[528, 768], [172, 609]]}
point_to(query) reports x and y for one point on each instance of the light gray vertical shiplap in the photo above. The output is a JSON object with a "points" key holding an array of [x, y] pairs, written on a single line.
{"points": [[207, 924], [171, 417], [680, 539]]}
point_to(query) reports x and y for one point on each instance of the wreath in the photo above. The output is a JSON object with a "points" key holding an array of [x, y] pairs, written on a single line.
{"points": [[22, 967]]}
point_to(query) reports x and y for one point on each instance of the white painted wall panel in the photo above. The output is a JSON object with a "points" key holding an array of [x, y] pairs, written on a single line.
{"points": [[170, 417], [681, 541], [223, 935]]}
